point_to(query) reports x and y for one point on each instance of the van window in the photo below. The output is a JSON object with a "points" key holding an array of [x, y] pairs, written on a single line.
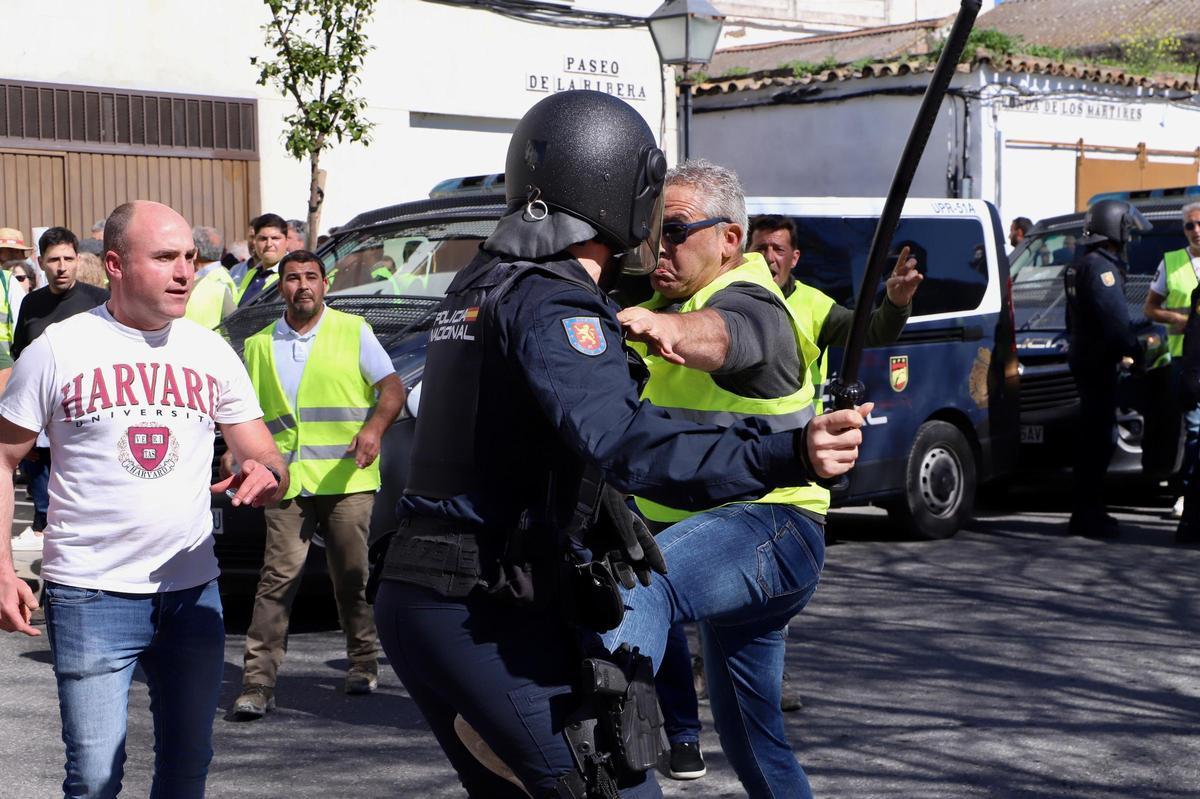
{"points": [[1057, 249], [950, 254]]}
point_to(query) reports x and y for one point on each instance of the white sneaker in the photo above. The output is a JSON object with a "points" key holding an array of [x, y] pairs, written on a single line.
{"points": [[28, 541], [1177, 509]]}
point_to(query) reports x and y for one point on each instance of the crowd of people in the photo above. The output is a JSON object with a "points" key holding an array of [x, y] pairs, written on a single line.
{"points": [[631, 470]]}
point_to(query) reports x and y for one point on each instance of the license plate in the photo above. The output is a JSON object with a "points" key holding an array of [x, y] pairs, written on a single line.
{"points": [[1033, 434], [218, 521]]}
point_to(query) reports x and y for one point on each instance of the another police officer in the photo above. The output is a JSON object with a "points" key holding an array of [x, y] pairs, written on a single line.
{"points": [[1101, 341], [527, 399]]}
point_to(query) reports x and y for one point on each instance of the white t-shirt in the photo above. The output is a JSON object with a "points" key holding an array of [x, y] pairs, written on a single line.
{"points": [[130, 415]]}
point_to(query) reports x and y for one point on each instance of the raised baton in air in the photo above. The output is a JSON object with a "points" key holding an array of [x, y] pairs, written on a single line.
{"points": [[846, 389]]}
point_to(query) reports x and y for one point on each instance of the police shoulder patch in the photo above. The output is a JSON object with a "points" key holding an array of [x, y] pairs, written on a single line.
{"points": [[1107, 279], [585, 334]]}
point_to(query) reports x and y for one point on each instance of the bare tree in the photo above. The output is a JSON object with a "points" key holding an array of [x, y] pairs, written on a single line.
{"points": [[319, 48]]}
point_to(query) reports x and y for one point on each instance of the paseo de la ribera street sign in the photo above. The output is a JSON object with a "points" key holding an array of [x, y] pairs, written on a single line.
{"points": [[583, 72]]}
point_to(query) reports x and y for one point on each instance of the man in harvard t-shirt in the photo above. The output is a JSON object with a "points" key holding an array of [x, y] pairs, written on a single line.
{"points": [[130, 395]]}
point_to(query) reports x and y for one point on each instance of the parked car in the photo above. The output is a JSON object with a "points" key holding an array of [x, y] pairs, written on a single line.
{"points": [[391, 266], [1149, 434]]}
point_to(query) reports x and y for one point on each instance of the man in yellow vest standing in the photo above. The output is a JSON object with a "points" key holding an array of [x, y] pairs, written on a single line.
{"points": [[328, 392], [1168, 302], [261, 270], [721, 345], [212, 292]]}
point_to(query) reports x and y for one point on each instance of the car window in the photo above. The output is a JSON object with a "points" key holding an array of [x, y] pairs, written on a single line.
{"points": [[950, 254], [403, 260]]}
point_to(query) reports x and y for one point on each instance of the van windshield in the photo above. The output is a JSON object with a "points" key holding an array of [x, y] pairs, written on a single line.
{"points": [[404, 260]]}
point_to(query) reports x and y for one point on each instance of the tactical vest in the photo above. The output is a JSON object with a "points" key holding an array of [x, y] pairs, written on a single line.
{"points": [[810, 307], [693, 394], [271, 279], [1181, 281], [333, 403], [207, 302]]}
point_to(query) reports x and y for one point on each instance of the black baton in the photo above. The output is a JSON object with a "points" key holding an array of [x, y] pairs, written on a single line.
{"points": [[846, 389]]}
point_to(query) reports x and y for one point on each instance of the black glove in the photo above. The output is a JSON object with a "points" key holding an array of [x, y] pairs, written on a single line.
{"points": [[626, 541]]}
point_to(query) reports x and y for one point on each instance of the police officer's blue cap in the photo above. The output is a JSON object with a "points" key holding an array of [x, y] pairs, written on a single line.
{"points": [[592, 156]]}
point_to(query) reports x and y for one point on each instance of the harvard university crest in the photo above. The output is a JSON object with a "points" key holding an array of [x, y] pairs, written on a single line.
{"points": [[148, 452]]}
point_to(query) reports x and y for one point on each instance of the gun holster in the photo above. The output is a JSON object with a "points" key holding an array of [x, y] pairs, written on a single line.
{"points": [[591, 595], [617, 734], [376, 555]]}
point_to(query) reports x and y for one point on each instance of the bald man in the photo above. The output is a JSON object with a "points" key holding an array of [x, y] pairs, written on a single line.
{"points": [[129, 395]]}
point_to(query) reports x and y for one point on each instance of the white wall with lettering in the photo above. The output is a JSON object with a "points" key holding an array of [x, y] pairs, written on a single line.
{"points": [[845, 138], [444, 85]]}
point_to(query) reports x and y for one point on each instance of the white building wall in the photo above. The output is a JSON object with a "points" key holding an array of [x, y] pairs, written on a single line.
{"points": [[444, 85], [848, 148]]}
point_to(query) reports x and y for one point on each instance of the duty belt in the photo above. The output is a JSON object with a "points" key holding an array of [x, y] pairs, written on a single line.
{"points": [[439, 554]]}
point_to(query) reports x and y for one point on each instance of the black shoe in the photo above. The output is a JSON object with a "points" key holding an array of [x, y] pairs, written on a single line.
{"points": [[39, 522], [789, 697], [686, 762]]}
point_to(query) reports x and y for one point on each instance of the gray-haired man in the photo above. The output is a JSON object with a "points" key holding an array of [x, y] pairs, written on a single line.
{"points": [[212, 294]]}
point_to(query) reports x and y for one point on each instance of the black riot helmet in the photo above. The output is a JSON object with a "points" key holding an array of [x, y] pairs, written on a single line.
{"points": [[592, 156], [1112, 220]]}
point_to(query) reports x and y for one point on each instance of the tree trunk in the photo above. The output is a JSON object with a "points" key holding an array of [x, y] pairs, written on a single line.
{"points": [[316, 198]]}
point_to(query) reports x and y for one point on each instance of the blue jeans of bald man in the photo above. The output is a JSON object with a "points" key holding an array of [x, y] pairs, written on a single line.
{"points": [[742, 571]]}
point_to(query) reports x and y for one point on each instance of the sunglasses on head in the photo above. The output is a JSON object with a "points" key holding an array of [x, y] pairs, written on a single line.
{"points": [[1190, 225], [677, 232]]}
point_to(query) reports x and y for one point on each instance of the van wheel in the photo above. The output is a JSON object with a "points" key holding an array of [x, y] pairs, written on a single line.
{"points": [[939, 490]]}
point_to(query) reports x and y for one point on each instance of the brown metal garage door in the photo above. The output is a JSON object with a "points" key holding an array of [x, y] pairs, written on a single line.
{"points": [[70, 154]]}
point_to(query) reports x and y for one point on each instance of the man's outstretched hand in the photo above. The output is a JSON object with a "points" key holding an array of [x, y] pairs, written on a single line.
{"points": [[254, 485], [832, 440]]}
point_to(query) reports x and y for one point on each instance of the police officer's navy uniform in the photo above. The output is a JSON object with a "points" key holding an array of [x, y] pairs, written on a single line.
{"points": [[1100, 336], [543, 374]]}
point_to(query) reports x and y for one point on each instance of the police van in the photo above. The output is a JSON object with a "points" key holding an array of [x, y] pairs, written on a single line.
{"points": [[946, 393], [945, 415]]}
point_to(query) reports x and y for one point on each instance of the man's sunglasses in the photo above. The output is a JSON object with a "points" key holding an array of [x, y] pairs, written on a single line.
{"points": [[1186, 225], [677, 232]]}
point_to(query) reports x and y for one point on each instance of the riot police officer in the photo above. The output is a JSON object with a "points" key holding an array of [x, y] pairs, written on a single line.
{"points": [[1101, 340], [528, 406]]}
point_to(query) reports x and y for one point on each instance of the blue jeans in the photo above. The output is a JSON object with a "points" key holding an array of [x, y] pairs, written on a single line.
{"points": [[96, 639], [742, 571], [676, 688], [37, 477]]}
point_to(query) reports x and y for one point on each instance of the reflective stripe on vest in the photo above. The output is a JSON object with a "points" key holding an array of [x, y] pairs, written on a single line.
{"points": [[693, 394], [334, 400], [1181, 280]]}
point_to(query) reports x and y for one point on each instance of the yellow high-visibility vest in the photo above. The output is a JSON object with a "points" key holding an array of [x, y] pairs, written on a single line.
{"points": [[333, 402], [693, 394]]}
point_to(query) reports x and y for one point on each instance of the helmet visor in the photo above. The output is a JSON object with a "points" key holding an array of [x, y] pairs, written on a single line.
{"points": [[643, 259]]}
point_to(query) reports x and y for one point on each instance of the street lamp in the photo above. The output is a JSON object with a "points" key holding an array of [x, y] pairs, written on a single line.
{"points": [[685, 32]]}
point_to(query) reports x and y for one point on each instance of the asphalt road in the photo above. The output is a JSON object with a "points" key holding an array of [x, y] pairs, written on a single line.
{"points": [[1011, 661]]}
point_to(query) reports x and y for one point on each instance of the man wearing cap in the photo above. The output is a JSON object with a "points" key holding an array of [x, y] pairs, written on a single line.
{"points": [[12, 247]]}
